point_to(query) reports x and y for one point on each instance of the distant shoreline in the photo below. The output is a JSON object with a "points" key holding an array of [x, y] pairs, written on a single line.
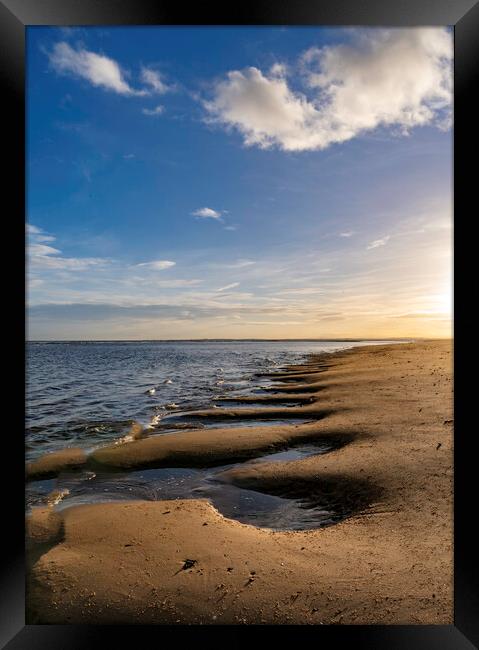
{"points": [[316, 340]]}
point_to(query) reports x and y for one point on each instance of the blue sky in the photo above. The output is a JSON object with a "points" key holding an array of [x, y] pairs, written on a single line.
{"points": [[238, 182]]}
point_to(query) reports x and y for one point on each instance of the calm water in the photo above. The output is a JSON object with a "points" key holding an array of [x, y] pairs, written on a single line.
{"points": [[89, 394]]}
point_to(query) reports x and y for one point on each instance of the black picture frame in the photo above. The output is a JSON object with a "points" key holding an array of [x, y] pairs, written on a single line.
{"points": [[15, 15]]}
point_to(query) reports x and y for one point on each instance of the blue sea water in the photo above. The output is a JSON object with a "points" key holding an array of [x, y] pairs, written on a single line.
{"points": [[90, 393]]}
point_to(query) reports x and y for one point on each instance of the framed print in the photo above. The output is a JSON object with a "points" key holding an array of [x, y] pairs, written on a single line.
{"points": [[246, 405]]}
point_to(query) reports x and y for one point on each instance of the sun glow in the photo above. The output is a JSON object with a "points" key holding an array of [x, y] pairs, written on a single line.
{"points": [[443, 301]]}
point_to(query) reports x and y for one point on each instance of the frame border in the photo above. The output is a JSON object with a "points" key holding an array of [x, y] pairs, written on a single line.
{"points": [[15, 16]]}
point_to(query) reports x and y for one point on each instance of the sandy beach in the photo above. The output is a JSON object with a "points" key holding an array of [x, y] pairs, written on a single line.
{"points": [[387, 561]]}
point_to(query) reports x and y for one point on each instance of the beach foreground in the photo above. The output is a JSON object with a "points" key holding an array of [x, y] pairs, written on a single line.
{"points": [[388, 562]]}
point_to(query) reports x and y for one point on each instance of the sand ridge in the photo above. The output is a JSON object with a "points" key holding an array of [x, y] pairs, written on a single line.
{"points": [[53, 463]]}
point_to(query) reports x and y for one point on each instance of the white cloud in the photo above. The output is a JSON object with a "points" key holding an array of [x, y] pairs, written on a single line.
{"points": [[158, 110], [98, 69], [348, 233], [379, 242], [153, 79], [263, 109], [228, 286], [207, 213], [105, 72], [398, 78], [158, 265]]}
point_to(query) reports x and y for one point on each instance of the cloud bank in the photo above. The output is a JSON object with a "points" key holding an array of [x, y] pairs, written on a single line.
{"points": [[398, 78]]}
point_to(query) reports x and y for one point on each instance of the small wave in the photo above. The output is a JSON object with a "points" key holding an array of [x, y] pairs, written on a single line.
{"points": [[155, 420], [56, 496], [134, 433], [124, 440]]}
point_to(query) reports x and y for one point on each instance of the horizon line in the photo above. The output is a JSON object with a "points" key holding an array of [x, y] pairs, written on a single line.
{"points": [[326, 339]]}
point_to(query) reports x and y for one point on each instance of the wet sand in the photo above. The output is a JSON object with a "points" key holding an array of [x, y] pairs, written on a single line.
{"points": [[390, 561]]}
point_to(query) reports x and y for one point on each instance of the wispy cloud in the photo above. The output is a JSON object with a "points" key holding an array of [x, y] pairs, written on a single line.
{"points": [[207, 213], [398, 78], [302, 291], [445, 316], [43, 256], [157, 265], [279, 70], [97, 69], [228, 286], [379, 242], [37, 235], [347, 233], [176, 284], [158, 110], [238, 264], [154, 80]]}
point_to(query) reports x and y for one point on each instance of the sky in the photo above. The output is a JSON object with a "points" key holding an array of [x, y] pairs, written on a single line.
{"points": [[251, 182]]}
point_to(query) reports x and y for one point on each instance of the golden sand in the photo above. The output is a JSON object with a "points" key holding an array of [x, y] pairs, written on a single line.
{"points": [[183, 562]]}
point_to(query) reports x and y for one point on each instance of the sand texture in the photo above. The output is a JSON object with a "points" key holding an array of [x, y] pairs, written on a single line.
{"points": [[389, 562]]}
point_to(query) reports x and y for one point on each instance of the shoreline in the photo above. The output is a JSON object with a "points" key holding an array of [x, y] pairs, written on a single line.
{"points": [[389, 562]]}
